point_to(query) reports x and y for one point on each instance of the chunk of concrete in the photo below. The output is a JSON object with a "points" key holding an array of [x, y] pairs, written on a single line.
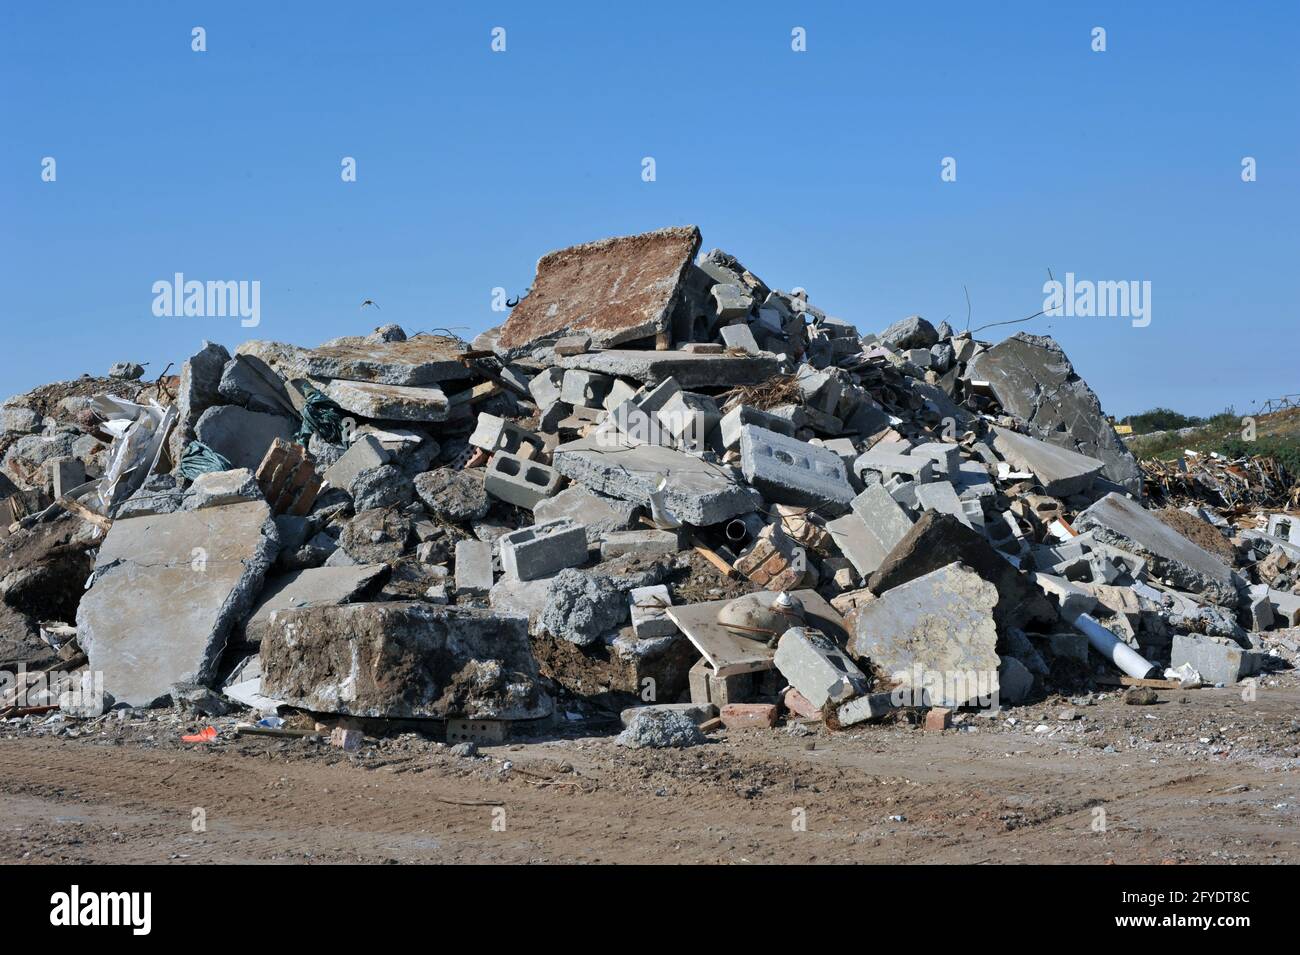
{"points": [[1217, 661], [241, 436], [649, 607], [790, 471], [165, 593], [1060, 471], [934, 636], [422, 360], [313, 587], [1120, 522], [473, 567], [251, 383], [198, 391], [690, 369], [938, 539], [614, 290], [453, 495], [816, 667], [362, 454], [1033, 380], [695, 491], [656, 727], [543, 549], [371, 399], [740, 336], [403, 660], [599, 514]]}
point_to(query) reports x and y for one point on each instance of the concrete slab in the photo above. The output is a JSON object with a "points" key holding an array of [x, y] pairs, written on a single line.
{"points": [[934, 635], [1033, 380], [691, 370], [314, 587], [615, 290], [242, 436], [422, 360], [695, 491], [167, 590], [1120, 522], [390, 402], [403, 660], [1060, 471]]}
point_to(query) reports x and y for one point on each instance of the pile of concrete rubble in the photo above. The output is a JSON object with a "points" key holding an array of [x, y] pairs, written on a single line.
{"points": [[660, 488]]}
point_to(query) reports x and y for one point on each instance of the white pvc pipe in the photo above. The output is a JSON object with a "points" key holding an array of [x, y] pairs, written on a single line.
{"points": [[1113, 648]]}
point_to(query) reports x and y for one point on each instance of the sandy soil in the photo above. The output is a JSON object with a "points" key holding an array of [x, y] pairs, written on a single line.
{"points": [[1203, 776]]}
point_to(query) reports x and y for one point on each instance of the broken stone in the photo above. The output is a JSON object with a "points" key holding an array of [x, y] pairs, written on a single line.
{"points": [[936, 540], [690, 370], [1033, 380], [600, 515], [615, 290], [695, 491], [658, 727], [817, 668], [241, 436], [1123, 523], [422, 360], [1060, 471], [452, 495], [391, 402], [314, 587], [402, 660], [205, 567], [934, 636]]}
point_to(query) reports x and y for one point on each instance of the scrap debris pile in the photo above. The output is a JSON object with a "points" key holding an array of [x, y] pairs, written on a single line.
{"points": [[660, 488]]}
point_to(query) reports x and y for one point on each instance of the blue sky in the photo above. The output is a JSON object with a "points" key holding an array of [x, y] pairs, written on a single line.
{"points": [[819, 169]]}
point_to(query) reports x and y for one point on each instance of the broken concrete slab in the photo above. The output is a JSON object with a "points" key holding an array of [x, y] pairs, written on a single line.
{"points": [[473, 568], [695, 491], [933, 636], [206, 567], [938, 539], [690, 370], [363, 454], [599, 514], [1033, 380], [403, 660], [1120, 522], [241, 436], [389, 402], [1060, 471], [422, 360], [313, 587], [452, 495], [649, 610], [1216, 660], [817, 668], [198, 391], [615, 290]]}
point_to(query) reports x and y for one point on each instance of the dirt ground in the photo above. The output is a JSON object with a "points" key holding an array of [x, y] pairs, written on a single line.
{"points": [[1203, 776]]}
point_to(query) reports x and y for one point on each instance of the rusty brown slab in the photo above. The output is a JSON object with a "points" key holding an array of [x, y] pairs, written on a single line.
{"points": [[616, 290]]}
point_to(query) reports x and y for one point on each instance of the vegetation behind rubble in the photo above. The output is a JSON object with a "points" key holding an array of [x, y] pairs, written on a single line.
{"points": [[1277, 435]]}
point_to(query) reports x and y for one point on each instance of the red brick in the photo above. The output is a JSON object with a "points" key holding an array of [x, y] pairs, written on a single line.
{"points": [[938, 719], [743, 715]]}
